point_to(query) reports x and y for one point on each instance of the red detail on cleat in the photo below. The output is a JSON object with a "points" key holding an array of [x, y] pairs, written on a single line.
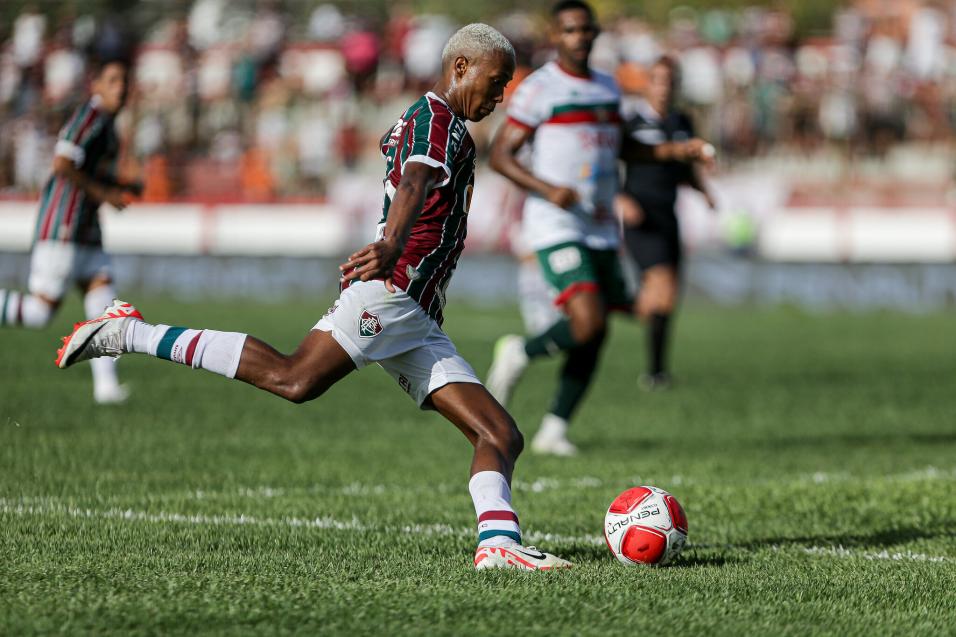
{"points": [[643, 545], [627, 501], [59, 353], [678, 517]]}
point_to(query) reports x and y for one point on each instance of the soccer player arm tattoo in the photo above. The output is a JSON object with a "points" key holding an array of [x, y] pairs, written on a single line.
{"points": [[509, 140], [115, 195], [377, 260]]}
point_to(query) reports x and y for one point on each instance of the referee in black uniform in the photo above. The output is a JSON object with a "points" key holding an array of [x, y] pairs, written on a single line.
{"points": [[646, 205]]}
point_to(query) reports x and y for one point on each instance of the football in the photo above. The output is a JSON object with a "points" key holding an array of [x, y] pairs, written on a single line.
{"points": [[645, 525]]}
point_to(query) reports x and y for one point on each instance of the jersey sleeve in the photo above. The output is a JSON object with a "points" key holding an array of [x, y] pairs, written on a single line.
{"points": [[435, 140], [646, 132], [77, 135], [528, 108]]}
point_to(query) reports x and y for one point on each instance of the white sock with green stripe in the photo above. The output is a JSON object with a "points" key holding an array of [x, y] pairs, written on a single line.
{"points": [[214, 351], [497, 520]]}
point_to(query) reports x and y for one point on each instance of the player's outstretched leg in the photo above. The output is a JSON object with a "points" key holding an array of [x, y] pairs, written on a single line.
{"points": [[497, 443], [316, 365]]}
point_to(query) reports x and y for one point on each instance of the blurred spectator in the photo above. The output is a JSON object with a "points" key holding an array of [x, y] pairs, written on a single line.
{"points": [[279, 99]]}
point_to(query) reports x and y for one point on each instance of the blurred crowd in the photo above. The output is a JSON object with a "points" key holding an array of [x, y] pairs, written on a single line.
{"points": [[253, 101]]}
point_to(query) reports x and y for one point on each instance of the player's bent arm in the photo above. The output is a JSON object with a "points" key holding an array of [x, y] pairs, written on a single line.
{"points": [[504, 149], [377, 260], [99, 190], [691, 150]]}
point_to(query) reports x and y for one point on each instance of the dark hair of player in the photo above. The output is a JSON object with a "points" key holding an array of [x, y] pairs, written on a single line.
{"points": [[569, 5], [671, 65], [98, 65]]}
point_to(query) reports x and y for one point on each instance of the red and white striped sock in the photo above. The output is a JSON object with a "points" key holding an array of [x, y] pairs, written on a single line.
{"points": [[497, 520], [214, 351]]}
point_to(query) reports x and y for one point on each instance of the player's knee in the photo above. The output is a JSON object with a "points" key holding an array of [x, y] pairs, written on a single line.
{"points": [[36, 312], [294, 387], [590, 329], [502, 433]]}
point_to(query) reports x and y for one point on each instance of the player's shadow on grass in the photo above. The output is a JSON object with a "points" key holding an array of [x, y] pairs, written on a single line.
{"points": [[879, 539], [589, 553]]}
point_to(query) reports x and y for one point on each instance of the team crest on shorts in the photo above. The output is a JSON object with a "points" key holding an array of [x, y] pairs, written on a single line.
{"points": [[369, 325]]}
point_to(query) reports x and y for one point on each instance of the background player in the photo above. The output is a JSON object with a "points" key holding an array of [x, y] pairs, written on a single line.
{"points": [[67, 242], [390, 309], [569, 115], [651, 231]]}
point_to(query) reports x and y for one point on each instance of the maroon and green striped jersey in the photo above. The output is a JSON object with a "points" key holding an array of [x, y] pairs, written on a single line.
{"points": [[66, 212], [429, 132]]}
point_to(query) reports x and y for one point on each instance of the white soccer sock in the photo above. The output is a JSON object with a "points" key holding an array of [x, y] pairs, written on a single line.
{"points": [[104, 369], [497, 520], [25, 310], [217, 352]]}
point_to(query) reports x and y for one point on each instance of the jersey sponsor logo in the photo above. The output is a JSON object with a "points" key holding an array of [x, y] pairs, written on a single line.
{"points": [[369, 325], [412, 272], [396, 134], [565, 259]]}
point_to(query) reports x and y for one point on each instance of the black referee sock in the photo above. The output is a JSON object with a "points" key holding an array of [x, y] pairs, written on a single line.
{"points": [[556, 338], [657, 337]]}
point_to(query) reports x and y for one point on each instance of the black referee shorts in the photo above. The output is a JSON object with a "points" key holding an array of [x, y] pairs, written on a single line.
{"points": [[656, 241]]}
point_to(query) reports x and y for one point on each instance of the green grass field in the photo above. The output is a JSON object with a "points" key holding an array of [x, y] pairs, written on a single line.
{"points": [[815, 456]]}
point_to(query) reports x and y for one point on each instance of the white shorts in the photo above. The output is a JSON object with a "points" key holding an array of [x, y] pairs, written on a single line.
{"points": [[54, 265], [377, 326]]}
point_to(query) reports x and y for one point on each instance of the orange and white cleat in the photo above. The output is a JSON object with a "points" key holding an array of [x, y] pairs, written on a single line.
{"points": [[515, 556], [103, 336]]}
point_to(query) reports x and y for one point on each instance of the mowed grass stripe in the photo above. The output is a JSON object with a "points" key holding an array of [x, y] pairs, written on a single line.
{"points": [[813, 453]]}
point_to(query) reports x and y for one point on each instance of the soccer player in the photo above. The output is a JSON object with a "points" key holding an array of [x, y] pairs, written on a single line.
{"points": [[390, 308], [569, 114], [67, 243], [651, 232]]}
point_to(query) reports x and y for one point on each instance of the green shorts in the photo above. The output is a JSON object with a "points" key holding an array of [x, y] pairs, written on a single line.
{"points": [[572, 267]]}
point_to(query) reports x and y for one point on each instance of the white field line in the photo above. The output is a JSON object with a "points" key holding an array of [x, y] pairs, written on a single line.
{"points": [[545, 484], [896, 556], [47, 506]]}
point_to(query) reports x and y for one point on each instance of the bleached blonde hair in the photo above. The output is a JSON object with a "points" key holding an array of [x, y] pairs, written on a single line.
{"points": [[474, 40]]}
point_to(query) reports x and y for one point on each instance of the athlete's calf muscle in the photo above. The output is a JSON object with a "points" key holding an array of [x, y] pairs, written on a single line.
{"points": [[317, 364]]}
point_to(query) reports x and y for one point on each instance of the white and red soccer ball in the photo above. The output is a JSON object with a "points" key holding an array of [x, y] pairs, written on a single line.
{"points": [[645, 525]]}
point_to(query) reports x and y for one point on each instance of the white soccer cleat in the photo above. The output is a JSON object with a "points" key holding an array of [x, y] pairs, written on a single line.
{"points": [[552, 438], [103, 336], [114, 395], [508, 365], [515, 556]]}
